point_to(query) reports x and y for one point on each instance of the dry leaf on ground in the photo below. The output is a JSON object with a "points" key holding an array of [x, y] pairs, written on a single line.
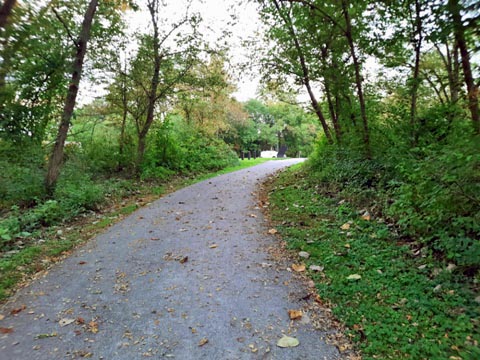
{"points": [[298, 267], [5, 330], [65, 322], [203, 342], [17, 310], [287, 342], [295, 314], [345, 226], [93, 327], [213, 246], [272, 231]]}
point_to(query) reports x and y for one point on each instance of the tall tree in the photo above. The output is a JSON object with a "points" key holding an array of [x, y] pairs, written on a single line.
{"points": [[56, 158], [454, 7], [297, 64]]}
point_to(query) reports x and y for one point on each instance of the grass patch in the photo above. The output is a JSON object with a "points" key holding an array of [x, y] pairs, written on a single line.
{"points": [[37, 251], [406, 305]]}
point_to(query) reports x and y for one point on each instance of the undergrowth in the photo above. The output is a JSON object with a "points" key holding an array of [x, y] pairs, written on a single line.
{"points": [[406, 302]]}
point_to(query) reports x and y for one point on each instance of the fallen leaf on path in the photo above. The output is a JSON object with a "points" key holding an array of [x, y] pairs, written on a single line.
{"points": [[183, 260], [5, 330], [298, 267], [253, 215], [82, 263], [295, 314], [213, 246], [287, 342], [46, 336], [2, 317], [154, 238], [17, 310], [354, 277], [80, 320], [65, 322], [345, 226], [93, 327], [272, 231], [203, 342]]}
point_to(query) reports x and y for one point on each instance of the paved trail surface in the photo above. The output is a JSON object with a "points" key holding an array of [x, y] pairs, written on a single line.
{"points": [[132, 293]]}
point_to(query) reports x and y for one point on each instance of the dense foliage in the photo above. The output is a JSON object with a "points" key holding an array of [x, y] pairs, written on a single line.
{"points": [[395, 87], [392, 87]]}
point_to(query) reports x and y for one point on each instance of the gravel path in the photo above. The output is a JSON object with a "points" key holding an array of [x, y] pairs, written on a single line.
{"points": [[190, 276]]}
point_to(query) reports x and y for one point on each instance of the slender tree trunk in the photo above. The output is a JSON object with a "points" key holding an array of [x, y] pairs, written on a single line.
{"points": [[328, 93], [472, 89], [152, 96], [121, 142], [417, 45], [358, 77], [56, 158], [5, 12], [306, 74]]}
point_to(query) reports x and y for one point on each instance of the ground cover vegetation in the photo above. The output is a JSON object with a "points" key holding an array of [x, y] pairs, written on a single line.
{"points": [[166, 115], [389, 203]]}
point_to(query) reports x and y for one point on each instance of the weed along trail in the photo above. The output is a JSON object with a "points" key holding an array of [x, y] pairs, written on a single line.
{"points": [[191, 276]]}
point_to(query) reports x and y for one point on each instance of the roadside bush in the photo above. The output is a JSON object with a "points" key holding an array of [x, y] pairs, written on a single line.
{"points": [[77, 192], [438, 201], [431, 192], [21, 178], [177, 147]]}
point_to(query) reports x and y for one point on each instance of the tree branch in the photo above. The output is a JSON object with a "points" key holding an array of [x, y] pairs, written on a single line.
{"points": [[57, 15]]}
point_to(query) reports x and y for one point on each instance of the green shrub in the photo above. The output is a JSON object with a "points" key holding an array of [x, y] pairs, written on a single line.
{"points": [[178, 147], [22, 175], [76, 193]]}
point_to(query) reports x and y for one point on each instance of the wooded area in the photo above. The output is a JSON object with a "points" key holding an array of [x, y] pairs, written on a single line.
{"points": [[398, 103], [168, 108], [395, 87], [392, 122]]}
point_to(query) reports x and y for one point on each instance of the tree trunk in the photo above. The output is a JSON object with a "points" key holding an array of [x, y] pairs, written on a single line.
{"points": [[358, 77], [328, 94], [417, 45], [121, 142], [5, 12], [472, 89], [56, 158], [152, 95]]}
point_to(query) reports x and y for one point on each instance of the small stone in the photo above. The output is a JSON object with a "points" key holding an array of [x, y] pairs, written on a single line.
{"points": [[304, 254], [316, 268], [451, 267]]}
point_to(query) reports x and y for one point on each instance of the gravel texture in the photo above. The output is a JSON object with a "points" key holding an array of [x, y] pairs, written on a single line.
{"points": [[190, 276]]}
